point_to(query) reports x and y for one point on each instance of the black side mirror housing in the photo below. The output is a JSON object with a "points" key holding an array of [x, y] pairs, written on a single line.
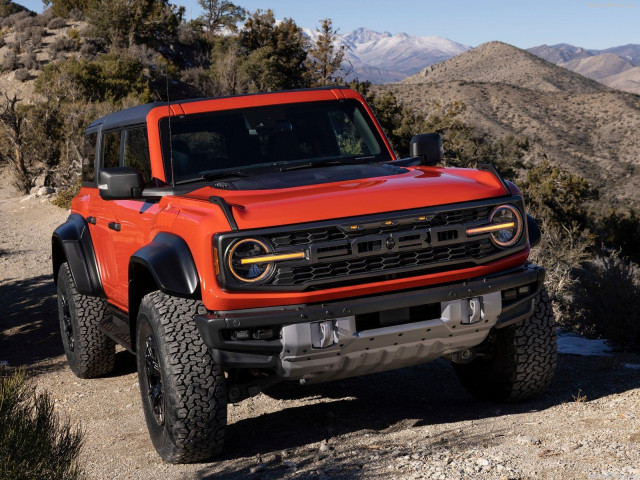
{"points": [[427, 147], [120, 183]]}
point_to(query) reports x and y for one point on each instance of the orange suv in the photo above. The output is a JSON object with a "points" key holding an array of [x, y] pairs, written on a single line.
{"points": [[233, 243]]}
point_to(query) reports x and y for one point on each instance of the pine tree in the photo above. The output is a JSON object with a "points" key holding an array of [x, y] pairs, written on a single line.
{"points": [[325, 60]]}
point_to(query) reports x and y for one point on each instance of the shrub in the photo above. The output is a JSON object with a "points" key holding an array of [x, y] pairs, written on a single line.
{"points": [[61, 44], [34, 443], [27, 22], [11, 20], [562, 250], [75, 15], [64, 197], [22, 74], [45, 17], [8, 61], [56, 23], [30, 61], [605, 298]]}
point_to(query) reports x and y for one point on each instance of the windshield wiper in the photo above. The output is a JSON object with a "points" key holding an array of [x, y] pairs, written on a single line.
{"points": [[210, 176], [322, 163]]}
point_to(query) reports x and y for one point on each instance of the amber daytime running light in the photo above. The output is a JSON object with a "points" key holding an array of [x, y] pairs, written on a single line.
{"points": [[252, 260], [505, 226]]}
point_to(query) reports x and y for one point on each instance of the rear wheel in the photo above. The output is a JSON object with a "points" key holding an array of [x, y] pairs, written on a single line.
{"points": [[183, 389], [90, 352], [521, 358]]}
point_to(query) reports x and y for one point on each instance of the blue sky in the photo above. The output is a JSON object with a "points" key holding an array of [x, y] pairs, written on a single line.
{"points": [[589, 24]]}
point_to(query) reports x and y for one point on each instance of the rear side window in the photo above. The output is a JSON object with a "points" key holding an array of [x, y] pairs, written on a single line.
{"points": [[111, 149], [136, 152], [89, 159]]}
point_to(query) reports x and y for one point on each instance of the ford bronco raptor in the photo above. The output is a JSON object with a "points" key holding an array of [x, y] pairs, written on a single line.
{"points": [[232, 243]]}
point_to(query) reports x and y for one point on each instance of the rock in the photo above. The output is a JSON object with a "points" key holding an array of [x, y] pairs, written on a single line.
{"points": [[34, 190], [256, 469], [324, 447], [523, 440], [483, 462], [27, 198], [45, 191]]}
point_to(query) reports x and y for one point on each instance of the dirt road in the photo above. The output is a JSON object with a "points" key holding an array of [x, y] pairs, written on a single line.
{"points": [[410, 424]]}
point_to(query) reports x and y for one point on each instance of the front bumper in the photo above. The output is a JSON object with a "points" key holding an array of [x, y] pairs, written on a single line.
{"points": [[354, 348]]}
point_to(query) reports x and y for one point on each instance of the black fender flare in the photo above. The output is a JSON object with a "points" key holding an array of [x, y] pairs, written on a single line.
{"points": [[169, 261], [534, 231], [71, 243]]}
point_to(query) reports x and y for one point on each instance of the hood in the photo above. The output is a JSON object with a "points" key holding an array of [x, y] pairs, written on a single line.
{"points": [[417, 187]]}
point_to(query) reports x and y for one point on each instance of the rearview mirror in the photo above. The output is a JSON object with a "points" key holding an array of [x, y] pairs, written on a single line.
{"points": [[120, 183], [427, 147]]}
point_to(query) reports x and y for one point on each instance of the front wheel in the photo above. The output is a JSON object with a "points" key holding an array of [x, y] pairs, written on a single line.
{"points": [[183, 389], [520, 360]]}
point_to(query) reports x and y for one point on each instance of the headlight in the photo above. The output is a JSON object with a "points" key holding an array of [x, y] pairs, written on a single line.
{"points": [[249, 248], [252, 260], [505, 226], [509, 219]]}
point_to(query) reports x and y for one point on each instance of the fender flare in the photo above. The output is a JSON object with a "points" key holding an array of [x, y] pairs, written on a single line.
{"points": [[169, 261], [71, 242], [534, 231]]}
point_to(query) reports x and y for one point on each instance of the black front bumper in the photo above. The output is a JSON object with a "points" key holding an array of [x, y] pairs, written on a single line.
{"points": [[213, 325]]}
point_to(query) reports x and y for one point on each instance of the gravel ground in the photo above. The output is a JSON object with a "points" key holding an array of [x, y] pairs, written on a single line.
{"points": [[410, 424]]}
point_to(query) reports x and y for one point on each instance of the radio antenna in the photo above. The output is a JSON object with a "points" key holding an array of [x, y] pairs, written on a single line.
{"points": [[166, 77]]}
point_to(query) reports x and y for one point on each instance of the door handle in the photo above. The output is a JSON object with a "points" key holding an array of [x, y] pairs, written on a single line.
{"points": [[114, 226]]}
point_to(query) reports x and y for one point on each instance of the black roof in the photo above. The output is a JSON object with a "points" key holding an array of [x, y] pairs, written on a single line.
{"points": [[138, 115]]}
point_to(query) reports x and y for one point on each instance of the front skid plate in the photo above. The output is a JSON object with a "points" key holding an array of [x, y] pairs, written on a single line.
{"points": [[356, 353]]}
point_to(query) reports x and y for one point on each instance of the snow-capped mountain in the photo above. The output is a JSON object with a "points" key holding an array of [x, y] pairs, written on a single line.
{"points": [[381, 57]]}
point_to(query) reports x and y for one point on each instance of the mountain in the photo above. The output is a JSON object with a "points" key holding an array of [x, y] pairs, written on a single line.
{"points": [[573, 121], [614, 67], [599, 67], [497, 62], [381, 57]]}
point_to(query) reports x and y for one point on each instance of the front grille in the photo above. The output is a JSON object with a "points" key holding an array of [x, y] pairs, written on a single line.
{"points": [[351, 251], [381, 264]]}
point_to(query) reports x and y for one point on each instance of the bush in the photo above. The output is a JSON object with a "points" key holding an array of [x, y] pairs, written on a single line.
{"points": [[12, 20], [30, 61], [64, 197], [22, 74], [562, 250], [8, 62], [75, 15], [45, 17], [56, 23], [27, 22], [34, 443], [61, 44], [606, 298]]}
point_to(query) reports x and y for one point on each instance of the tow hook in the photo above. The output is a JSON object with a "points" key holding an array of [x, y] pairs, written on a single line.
{"points": [[463, 356]]}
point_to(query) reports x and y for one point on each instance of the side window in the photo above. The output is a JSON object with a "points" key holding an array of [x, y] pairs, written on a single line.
{"points": [[111, 149], [136, 152], [89, 158]]}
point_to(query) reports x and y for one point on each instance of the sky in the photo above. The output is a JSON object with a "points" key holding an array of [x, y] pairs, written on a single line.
{"points": [[523, 23]]}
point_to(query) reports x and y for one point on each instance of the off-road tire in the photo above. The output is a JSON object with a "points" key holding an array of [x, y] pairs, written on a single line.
{"points": [[521, 358], [90, 352], [194, 398]]}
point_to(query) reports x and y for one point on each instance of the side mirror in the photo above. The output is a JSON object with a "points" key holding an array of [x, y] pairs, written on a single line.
{"points": [[427, 147], [120, 183]]}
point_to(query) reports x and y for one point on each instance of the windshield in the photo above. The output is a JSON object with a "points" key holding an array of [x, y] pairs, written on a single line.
{"points": [[271, 136]]}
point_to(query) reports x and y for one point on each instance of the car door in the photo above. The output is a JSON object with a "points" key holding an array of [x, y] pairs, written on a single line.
{"points": [[124, 225]]}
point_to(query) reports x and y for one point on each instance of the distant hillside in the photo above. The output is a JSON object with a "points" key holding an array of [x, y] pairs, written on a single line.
{"points": [[497, 62], [615, 67], [577, 123]]}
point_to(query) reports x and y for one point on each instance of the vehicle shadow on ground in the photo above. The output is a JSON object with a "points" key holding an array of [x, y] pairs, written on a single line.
{"points": [[393, 401], [29, 331]]}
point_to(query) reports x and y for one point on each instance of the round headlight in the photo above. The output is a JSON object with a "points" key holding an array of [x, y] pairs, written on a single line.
{"points": [[249, 272], [510, 217]]}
